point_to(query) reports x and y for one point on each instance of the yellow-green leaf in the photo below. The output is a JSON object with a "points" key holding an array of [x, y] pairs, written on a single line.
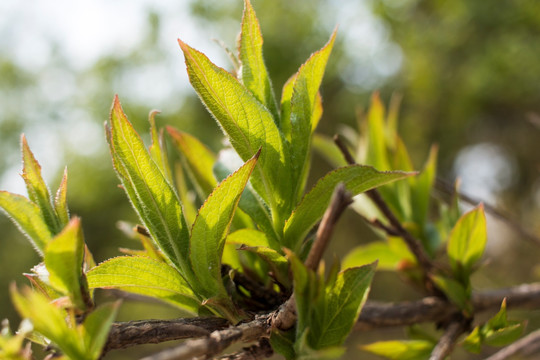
{"points": [[96, 328], [64, 256], [149, 191], [401, 350], [28, 218], [157, 149], [60, 201], [144, 276], [254, 75], [357, 179]]}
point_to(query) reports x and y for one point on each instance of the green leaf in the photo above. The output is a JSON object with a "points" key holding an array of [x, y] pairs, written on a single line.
{"points": [[64, 256], [198, 160], [473, 341], [455, 292], [252, 238], [250, 202], [254, 75], [278, 263], [505, 335], [467, 241], [357, 179], [28, 218], [401, 350], [377, 154], [38, 192], [60, 201], [421, 188], [391, 255], [249, 126], [283, 343], [144, 276], [150, 193], [50, 321], [186, 196], [210, 229], [303, 104], [328, 149], [157, 149], [96, 328]]}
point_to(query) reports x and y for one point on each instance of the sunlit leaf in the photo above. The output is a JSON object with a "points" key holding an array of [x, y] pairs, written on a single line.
{"points": [[28, 218], [390, 255], [144, 276], [455, 292], [467, 241], [357, 179], [150, 193], [278, 263], [60, 201], [96, 328], [198, 160], [157, 149], [254, 75], [401, 350], [304, 101], [210, 229], [38, 192], [64, 256], [249, 126]]}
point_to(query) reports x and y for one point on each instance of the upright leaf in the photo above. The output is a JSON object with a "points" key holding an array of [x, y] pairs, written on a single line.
{"points": [[357, 179], [38, 191], [467, 241], [254, 74], [303, 103], [64, 256], [96, 328], [377, 155], [157, 150], [150, 193], [60, 201], [211, 227], [28, 218], [198, 160], [144, 276], [249, 126]]}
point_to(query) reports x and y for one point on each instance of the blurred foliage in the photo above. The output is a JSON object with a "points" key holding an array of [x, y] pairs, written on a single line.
{"points": [[469, 75]]}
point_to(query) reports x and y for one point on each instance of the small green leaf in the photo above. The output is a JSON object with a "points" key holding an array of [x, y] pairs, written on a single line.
{"points": [[467, 241], [421, 187], [49, 321], [38, 192], [303, 105], [198, 161], [150, 193], [390, 255], [283, 343], [157, 149], [144, 276], [505, 335], [64, 256], [249, 126], [250, 202], [96, 328], [254, 75], [210, 229], [278, 263], [60, 201], [357, 179], [401, 350], [455, 292], [252, 238], [473, 341], [377, 154], [28, 218]]}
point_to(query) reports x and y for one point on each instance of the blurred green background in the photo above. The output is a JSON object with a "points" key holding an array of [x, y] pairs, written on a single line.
{"points": [[469, 73]]}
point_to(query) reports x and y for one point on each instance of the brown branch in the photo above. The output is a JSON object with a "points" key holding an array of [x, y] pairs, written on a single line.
{"points": [[261, 350], [523, 345], [413, 244], [446, 343], [126, 334]]}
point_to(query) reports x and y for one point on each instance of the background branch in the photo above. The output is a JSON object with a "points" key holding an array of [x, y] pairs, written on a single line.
{"points": [[523, 345]]}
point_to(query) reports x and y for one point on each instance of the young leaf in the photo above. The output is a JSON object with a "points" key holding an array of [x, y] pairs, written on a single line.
{"points": [[157, 150], [60, 201], [150, 193], [144, 276], [38, 192], [455, 291], [401, 350], [96, 328], [421, 188], [467, 241], [278, 263], [28, 218], [391, 255], [64, 261], [377, 155], [252, 238], [303, 103], [199, 160], [210, 229], [254, 75], [249, 126], [357, 179]]}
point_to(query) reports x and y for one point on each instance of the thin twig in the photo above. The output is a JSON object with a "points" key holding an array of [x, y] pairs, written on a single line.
{"points": [[521, 346], [413, 243], [446, 343], [261, 350], [447, 188]]}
